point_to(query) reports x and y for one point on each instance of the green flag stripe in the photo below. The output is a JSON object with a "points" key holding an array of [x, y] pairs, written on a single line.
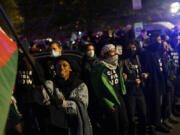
{"points": [[7, 80]]}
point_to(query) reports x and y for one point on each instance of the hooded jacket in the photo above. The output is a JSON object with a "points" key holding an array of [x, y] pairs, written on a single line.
{"points": [[103, 89]]}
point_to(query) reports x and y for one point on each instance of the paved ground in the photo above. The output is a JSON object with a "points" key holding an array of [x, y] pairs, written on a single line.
{"points": [[174, 131]]}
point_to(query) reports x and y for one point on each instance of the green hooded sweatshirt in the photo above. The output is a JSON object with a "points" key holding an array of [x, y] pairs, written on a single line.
{"points": [[103, 89]]}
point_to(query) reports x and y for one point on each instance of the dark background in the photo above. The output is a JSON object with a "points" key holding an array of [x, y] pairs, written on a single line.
{"points": [[42, 18]]}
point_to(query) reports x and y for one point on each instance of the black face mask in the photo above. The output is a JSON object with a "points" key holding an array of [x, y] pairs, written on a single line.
{"points": [[131, 52]]}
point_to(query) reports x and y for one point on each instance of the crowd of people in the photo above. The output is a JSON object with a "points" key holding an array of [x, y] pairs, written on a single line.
{"points": [[108, 83]]}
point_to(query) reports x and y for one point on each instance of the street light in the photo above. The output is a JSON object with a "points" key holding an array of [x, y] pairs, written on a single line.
{"points": [[174, 8]]}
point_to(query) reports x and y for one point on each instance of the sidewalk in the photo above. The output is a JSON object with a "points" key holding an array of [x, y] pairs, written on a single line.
{"points": [[176, 129]]}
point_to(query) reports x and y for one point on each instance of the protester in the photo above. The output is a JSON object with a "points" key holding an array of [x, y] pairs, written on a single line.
{"points": [[28, 92], [108, 85], [72, 96], [47, 63], [135, 100], [137, 79], [143, 39], [157, 85], [56, 49], [14, 122]]}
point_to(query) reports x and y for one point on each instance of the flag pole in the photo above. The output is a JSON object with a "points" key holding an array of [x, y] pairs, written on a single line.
{"points": [[5, 17]]}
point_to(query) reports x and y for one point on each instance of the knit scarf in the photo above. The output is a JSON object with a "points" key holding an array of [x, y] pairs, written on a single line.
{"points": [[67, 86]]}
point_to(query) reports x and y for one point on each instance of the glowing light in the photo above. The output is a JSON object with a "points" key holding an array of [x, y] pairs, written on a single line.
{"points": [[80, 32], [175, 7]]}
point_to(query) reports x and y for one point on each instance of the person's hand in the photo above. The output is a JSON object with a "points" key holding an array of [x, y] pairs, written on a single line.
{"points": [[20, 50], [145, 75], [113, 109], [64, 104], [125, 76], [13, 100], [138, 81]]}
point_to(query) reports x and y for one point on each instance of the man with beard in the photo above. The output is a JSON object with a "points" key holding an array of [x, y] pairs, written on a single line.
{"points": [[108, 86], [135, 101]]}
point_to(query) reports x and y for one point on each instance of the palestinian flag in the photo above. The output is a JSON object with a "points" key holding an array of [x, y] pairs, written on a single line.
{"points": [[8, 69]]}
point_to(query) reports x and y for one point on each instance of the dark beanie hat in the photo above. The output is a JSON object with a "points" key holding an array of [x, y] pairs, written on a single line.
{"points": [[71, 60]]}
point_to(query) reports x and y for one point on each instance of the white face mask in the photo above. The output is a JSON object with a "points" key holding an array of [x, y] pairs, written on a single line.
{"points": [[90, 53], [55, 53]]}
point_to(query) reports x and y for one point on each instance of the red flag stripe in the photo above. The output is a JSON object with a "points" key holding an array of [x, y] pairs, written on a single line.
{"points": [[7, 48]]}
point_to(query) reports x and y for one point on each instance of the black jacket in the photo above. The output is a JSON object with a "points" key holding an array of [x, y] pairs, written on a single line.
{"points": [[132, 74]]}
